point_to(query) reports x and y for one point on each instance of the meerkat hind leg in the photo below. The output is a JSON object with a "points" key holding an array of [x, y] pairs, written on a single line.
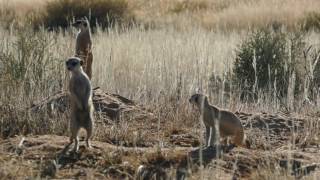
{"points": [[225, 141], [76, 144], [238, 138], [74, 137], [89, 130], [212, 139], [207, 138]]}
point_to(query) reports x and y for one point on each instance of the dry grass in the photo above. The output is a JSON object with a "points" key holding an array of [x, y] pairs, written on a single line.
{"points": [[22, 7], [226, 15], [159, 59], [159, 68]]}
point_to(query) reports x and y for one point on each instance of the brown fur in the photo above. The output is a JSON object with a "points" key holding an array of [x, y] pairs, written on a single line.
{"points": [[81, 102], [227, 122], [84, 45]]}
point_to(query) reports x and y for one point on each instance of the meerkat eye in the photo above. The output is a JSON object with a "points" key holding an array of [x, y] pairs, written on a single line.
{"points": [[76, 23], [74, 63]]}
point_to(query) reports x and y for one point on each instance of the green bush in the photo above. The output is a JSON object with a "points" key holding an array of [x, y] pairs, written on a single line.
{"points": [[262, 63], [311, 21], [28, 64], [60, 13]]}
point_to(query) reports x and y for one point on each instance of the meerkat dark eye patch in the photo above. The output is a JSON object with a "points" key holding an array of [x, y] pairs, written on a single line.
{"points": [[196, 98], [74, 63], [76, 23]]}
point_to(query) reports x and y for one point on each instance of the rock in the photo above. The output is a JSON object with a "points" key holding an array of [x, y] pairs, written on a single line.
{"points": [[49, 169], [145, 172]]}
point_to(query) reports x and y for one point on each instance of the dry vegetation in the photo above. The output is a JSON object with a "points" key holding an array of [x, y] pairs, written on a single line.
{"points": [[222, 14], [173, 49]]}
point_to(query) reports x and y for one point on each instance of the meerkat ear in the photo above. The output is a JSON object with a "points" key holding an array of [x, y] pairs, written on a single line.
{"points": [[85, 24], [81, 62], [206, 99]]}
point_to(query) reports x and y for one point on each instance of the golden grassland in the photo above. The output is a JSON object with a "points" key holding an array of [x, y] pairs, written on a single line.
{"points": [[192, 49]]}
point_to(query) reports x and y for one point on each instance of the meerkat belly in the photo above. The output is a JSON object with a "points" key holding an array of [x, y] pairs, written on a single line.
{"points": [[82, 117], [227, 128], [82, 43]]}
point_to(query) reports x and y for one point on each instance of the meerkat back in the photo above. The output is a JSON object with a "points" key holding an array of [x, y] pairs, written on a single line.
{"points": [[230, 118]]}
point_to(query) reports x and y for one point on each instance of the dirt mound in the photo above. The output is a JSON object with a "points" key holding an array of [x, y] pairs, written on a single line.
{"points": [[277, 143], [46, 156], [267, 131], [112, 112], [111, 106]]}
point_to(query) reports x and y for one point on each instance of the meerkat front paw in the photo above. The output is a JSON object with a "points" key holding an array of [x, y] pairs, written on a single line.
{"points": [[75, 148]]}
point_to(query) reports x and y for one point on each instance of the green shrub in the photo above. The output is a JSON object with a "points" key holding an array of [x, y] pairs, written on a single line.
{"points": [[60, 13], [311, 21], [264, 62], [31, 69], [27, 63]]}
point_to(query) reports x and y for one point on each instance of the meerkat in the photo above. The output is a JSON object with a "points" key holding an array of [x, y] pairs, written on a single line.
{"points": [[84, 45], [214, 118], [80, 93]]}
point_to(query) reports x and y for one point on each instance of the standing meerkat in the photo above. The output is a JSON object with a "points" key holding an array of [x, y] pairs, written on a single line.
{"points": [[227, 122], [84, 45], [81, 102]]}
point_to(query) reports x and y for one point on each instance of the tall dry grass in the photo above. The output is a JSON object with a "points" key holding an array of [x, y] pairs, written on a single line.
{"points": [[238, 14], [155, 62], [159, 68]]}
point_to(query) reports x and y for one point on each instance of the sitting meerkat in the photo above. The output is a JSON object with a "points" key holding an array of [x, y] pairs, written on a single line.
{"points": [[81, 102], [228, 123], [84, 45]]}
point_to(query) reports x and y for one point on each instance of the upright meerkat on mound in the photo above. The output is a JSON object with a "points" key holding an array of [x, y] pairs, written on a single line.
{"points": [[228, 123], [84, 45], [81, 102]]}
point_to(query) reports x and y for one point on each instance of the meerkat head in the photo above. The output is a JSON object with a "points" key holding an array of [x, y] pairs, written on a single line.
{"points": [[198, 99], [74, 64], [81, 24]]}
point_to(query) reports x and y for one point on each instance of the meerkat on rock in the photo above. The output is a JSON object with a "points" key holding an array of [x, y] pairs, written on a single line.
{"points": [[213, 118], [81, 102], [84, 45]]}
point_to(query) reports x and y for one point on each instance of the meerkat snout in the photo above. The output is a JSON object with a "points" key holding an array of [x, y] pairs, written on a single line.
{"points": [[197, 99], [81, 24], [190, 100], [73, 63], [193, 99]]}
